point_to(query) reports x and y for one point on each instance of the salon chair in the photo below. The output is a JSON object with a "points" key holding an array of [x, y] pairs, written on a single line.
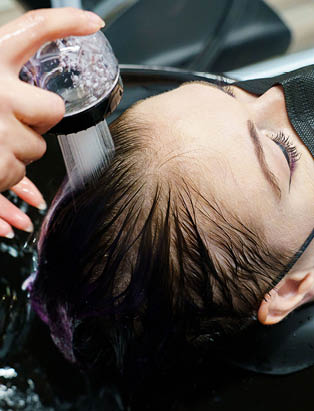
{"points": [[216, 35]]}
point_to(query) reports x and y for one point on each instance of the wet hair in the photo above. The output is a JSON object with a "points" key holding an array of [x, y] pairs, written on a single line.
{"points": [[134, 269]]}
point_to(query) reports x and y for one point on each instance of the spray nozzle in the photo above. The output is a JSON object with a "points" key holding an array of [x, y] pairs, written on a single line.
{"points": [[84, 72]]}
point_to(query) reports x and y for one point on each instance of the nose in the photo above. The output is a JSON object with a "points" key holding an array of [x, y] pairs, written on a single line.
{"points": [[269, 110]]}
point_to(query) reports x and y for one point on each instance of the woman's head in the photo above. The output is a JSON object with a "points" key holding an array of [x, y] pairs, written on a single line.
{"points": [[186, 232]]}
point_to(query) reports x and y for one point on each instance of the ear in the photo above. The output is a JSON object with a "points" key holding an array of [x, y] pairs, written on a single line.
{"points": [[292, 291]]}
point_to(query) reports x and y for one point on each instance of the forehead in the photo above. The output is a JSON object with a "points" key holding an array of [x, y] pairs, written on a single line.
{"points": [[195, 113], [187, 96], [204, 132]]}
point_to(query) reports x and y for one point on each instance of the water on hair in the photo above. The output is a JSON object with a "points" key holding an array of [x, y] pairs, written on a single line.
{"points": [[87, 153]]}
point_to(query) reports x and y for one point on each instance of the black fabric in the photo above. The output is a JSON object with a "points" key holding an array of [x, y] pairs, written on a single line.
{"points": [[298, 86]]}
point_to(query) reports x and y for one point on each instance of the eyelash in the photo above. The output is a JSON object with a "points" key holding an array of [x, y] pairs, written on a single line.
{"points": [[282, 140], [228, 90], [225, 87]]}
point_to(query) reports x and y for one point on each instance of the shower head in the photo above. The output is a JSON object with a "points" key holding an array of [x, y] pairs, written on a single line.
{"points": [[84, 72]]}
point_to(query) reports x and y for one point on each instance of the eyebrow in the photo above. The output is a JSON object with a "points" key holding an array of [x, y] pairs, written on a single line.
{"points": [[270, 177]]}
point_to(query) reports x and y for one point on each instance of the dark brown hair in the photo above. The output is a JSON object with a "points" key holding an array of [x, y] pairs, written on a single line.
{"points": [[133, 269]]}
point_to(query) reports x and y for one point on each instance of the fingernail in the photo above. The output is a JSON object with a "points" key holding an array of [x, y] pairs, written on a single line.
{"points": [[30, 228], [42, 206], [10, 235], [95, 20]]}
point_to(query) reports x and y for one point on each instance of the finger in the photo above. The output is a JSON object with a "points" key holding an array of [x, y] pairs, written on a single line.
{"points": [[12, 170], [14, 216], [6, 229], [23, 142], [40, 109], [21, 38], [28, 192]]}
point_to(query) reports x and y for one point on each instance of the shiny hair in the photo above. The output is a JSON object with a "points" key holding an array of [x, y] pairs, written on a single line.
{"points": [[132, 270]]}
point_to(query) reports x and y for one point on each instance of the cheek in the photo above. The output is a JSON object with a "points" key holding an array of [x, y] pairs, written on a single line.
{"points": [[292, 223], [244, 194], [302, 212]]}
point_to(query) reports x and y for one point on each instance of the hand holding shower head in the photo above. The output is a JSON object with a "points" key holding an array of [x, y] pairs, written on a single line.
{"points": [[85, 73]]}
